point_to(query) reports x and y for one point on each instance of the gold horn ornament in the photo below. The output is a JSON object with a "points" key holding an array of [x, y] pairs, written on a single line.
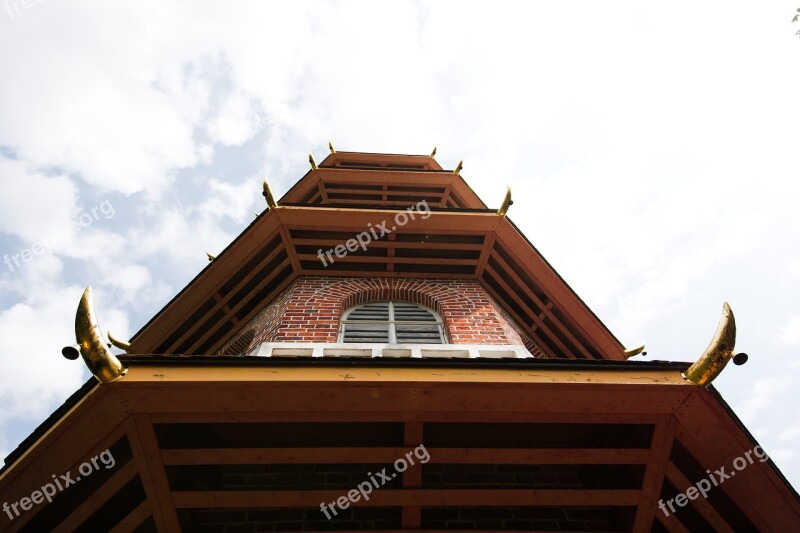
{"points": [[312, 162], [119, 343], [507, 202], [632, 352], [433, 153], [718, 353], [331, 148], [267, 193], [459, 166], [103, 364]]}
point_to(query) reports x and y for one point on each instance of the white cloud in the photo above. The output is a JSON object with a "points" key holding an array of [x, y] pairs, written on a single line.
{"points": [[790, 333]]}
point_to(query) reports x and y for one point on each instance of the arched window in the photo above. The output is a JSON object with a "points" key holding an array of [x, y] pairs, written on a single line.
{"points": [[391, 323]]}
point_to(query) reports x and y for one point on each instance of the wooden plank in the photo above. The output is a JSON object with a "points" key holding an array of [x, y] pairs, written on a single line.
{"points": [[515, 456], [134, 519], [94, 501], [422, 399], [546, 347], [353, 258], [360, 416], [535, 318], [660, 447], [333, 241], [488, 242], [702, 506], [382, 274], [356, 219], [407, 497], [659, 382], [151, 470]]}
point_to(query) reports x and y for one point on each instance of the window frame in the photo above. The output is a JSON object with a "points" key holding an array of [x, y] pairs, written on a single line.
{"points": [[392, 322]]}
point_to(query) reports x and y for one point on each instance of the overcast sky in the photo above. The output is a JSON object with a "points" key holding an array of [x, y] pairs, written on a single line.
{"points": [[652, 150]]}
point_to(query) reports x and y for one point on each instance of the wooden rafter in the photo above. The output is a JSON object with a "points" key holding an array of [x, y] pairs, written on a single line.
{"points": [[647, 505], [86, 509], [134, 519], [147, 456]]}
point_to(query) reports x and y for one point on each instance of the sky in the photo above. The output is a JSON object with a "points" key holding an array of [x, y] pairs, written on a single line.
{"points": [[652, 149]]}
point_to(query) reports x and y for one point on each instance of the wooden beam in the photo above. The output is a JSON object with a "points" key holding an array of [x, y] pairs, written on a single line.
{"points": [[701, 505], [151, 470], [660, 447], [534, 317], [94, 501], [382, 274], [333, 241], [408, 497], [134, 519], [548, 349], [257, 309], [361, 416], [412, 477], [357, 258], [514, 456]]}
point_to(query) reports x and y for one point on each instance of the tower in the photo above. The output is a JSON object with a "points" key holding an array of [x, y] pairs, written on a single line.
{"points": [[379, 350]]}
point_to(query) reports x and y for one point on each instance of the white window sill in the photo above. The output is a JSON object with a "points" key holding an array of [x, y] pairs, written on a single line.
{"points": [[414, 351]]}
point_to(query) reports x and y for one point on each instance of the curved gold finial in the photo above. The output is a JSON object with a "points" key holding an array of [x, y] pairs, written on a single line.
{"points": [[210, 257], [312, 162], [507, 202], [122, 345], [635, 351], [330, 146], [459, 167], [718, 353], [267, 193], [434, 152], [103, 364]]}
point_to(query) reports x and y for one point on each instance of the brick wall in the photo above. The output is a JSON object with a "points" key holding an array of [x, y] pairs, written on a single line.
{"points": [[309, 310]]}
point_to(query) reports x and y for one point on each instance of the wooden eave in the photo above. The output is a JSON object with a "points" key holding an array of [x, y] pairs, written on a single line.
{"points": [[283, 244], [687, 429], [378, 187]]}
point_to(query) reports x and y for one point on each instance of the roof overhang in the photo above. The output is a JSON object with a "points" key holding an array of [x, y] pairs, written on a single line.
{"points": [[690, 429]]}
